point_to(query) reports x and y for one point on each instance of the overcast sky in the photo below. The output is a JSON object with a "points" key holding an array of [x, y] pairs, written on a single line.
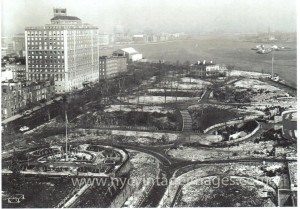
{"points": [[242, 16]]}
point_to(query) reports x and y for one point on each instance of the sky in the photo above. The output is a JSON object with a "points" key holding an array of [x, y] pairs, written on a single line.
{"points": [[237, 16]]}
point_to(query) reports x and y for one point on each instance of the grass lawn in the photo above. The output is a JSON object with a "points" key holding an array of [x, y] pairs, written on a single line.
{"points": [[40, 193], [211, 116]]}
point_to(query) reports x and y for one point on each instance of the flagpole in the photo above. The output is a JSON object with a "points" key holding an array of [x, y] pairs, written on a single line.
{"points": [[66, 135], [272, 63]]}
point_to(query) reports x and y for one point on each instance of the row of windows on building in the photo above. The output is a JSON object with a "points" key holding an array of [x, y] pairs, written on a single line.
{"points": [[46, 57], [72, 27], [45, 43], [45, 33], [59, 33], [50, 47], [56, 77], [46, 47], [46, 52], [45, 39], [45, 61], [45, 70], [45, 66]]}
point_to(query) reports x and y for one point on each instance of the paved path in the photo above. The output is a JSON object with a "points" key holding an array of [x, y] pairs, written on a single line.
{"points": [[76, 196], [17, 116], [187, 120]]}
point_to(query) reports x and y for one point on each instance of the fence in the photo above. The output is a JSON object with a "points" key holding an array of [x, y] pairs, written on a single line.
{"points": [[139, 128], [245, 137], [234, 121]]}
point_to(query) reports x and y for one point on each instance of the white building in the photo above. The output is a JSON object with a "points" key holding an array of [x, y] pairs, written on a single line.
{"points": [[14, 71], [131, 54], [6, 75], [66, 51]]}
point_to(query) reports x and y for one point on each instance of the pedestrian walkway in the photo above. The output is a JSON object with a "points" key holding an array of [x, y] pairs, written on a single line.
{"points": [[187, 120]]}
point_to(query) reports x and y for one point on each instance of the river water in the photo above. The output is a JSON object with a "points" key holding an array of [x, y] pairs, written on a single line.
{"points": [[228, 51]]}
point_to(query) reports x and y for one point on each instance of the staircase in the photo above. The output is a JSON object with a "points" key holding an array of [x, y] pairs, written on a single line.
{"points": [[187, 120]]}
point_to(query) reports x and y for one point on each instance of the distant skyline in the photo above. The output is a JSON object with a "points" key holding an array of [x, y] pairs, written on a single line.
{"points": [[228, 16]]}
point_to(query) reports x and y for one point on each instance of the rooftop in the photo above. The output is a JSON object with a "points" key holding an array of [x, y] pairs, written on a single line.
{"points": [[111, 57], [130, 50], [65, 18]]}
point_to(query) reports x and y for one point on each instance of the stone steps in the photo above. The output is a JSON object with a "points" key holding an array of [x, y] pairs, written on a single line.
{"points": [[187, 120]]}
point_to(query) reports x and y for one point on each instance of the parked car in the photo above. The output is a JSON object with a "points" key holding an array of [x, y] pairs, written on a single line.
{"points": [[27, 112], [24, 128]]}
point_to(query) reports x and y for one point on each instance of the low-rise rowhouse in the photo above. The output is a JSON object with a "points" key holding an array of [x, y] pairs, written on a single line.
{"points": [[110, 67], [18, 95], [130, 53], [13, 71], [205, 69]]}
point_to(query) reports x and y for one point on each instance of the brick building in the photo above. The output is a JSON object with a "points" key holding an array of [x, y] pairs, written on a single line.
{"points": [[204, 69], [19, 95], [109, 67]]}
